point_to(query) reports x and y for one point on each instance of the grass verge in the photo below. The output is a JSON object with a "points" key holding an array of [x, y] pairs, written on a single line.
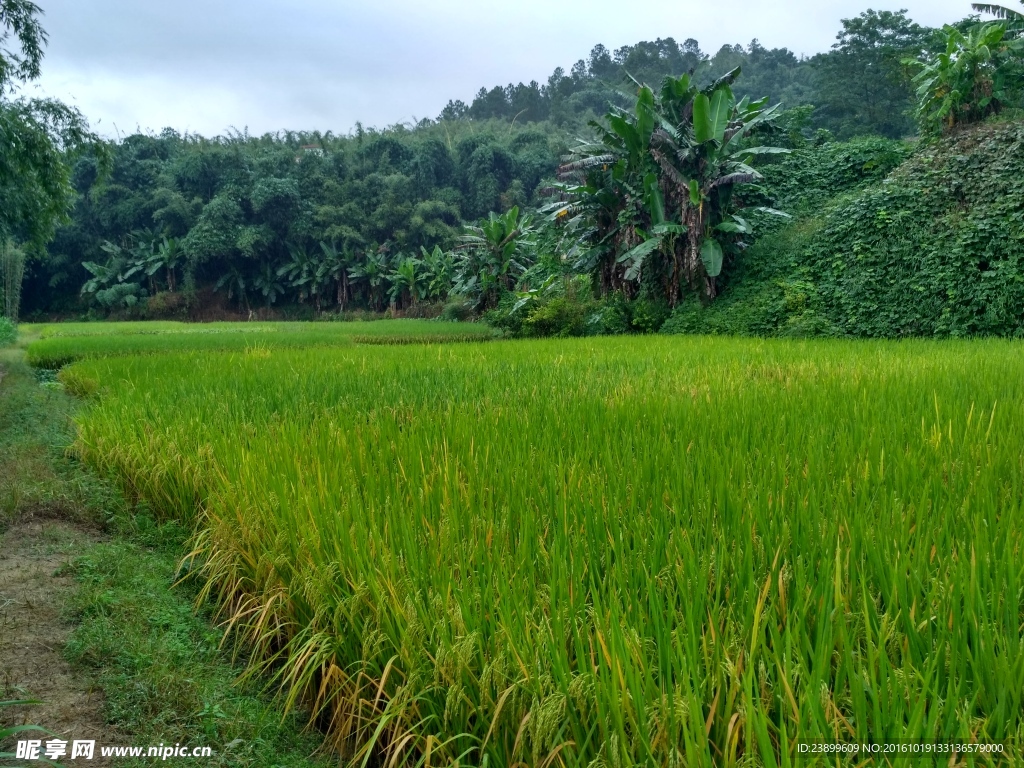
{"points": [[158, 665], [36, 478]]}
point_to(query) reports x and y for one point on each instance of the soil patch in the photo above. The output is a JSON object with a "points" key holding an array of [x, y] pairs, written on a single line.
{"points": [[33, 632]]}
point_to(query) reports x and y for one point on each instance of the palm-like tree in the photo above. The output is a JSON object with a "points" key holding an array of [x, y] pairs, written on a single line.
{"points": [[142, 256], [299, 271], [702, 152], [153, 254], [440, 268], [268, 282], [121, 265], [168, 255], [234, 283]]}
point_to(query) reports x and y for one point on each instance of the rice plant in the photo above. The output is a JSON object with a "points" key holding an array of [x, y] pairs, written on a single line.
{"points": [[604, 552], [59, 345]]}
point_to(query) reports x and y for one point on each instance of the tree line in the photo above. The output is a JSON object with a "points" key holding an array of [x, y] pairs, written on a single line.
{"points": [[860, 86], [492, 202], [280, 216]]}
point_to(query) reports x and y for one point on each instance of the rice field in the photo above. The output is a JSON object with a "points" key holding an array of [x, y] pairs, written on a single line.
{"points": [[599, 552], [55, 345]]}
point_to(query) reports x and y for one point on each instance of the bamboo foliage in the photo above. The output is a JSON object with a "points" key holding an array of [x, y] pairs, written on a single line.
{"points": [[12, 270]]}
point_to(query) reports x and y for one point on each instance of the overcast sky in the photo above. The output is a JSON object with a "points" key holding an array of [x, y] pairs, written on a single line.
{"points": [[320, 64]]}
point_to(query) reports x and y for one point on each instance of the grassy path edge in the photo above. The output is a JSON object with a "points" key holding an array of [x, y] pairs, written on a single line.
{"points": [[135, 638]]}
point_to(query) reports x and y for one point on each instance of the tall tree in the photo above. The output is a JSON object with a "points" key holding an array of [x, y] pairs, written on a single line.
{"points": [[862, 85], [12, 268], [36, 135]]}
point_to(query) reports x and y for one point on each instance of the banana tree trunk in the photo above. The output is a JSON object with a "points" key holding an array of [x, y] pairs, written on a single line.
{"points": [[694, 220], [677, 268]]}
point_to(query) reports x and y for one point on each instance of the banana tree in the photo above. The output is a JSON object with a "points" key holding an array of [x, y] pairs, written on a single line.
{"points": [[152, 255], [493, 254], [268, 282], [407, 280], [603, 202], [657, 190], [234, 284], [103, 275], [300, 271], [1014, 19], [335, 268], [702, 150], [121, 266], [371, 273], [972, 78], [440, 269], [143, 257], [168, 256]]}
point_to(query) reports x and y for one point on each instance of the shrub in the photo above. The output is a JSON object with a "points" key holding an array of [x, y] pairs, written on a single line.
{"points": [[561, 316], [457, 309], [933, 249], [352, 316], [808, 178], [8, 332], [165, 305], [508, 316], [648, 315], [560, 307], [567, 307], [423, 310], [612, 317]]}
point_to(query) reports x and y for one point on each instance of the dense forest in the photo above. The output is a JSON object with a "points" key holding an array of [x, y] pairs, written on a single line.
{"points": [[858, 87], [604, 200]]}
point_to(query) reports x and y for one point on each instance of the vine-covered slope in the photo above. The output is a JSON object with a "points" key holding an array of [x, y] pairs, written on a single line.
{"points": [[934, 249]]}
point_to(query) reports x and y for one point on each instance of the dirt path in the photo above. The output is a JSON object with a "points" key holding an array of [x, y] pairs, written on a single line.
{"points": [[32, 634]]}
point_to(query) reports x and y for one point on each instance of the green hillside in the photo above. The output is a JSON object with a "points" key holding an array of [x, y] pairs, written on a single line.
{"points": [[932, 248]]}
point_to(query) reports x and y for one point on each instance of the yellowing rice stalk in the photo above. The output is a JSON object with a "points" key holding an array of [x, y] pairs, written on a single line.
{"points": [[613, 552]]}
